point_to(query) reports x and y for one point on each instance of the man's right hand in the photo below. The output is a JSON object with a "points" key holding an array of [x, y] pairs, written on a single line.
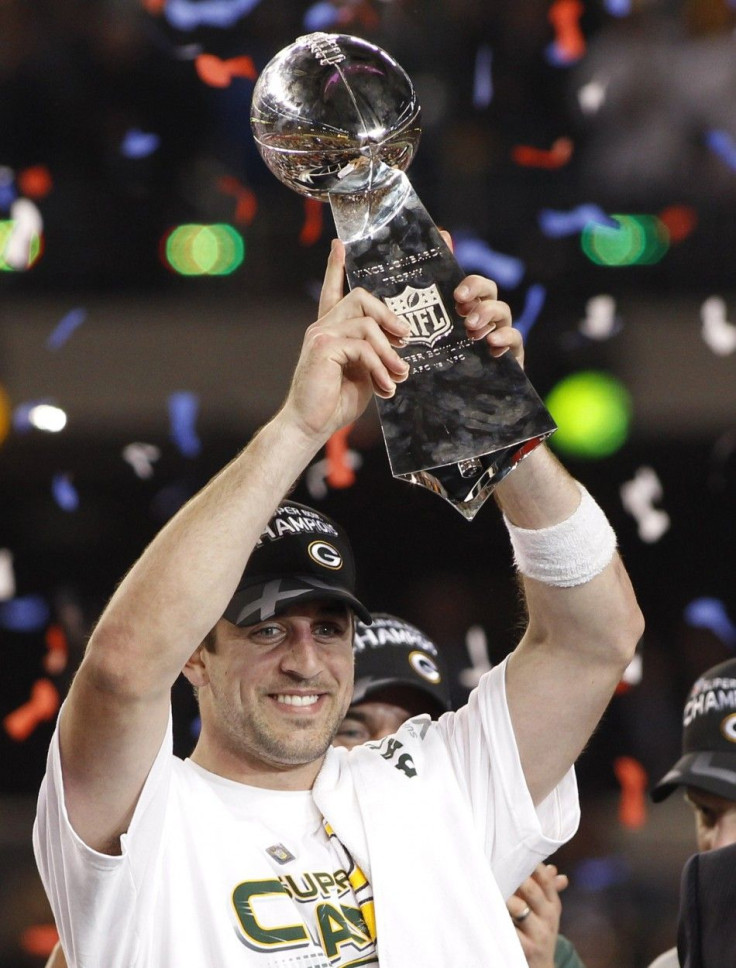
{"points": [[347, 355]]}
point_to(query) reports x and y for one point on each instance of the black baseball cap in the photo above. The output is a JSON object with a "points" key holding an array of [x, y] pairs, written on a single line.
{"points": [[708, 737], [391, 653], [301, 556]]}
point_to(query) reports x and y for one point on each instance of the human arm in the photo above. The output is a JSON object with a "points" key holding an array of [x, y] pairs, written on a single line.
{"points": [[579, 637], [115, 715], [56, 958]]}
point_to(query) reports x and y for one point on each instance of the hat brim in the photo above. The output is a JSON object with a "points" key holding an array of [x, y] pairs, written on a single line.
{"points": [[707, 770], [262, 600]]}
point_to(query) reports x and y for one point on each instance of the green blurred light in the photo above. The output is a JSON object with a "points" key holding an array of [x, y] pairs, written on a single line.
{"points": [[36, 247], [592, 411], [638, 240], [204, 250]]}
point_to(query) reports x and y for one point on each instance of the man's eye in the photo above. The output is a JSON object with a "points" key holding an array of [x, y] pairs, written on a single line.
{"points": [[350, 731], [329, 630]]}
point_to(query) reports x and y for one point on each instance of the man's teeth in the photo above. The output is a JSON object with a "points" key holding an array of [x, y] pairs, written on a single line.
{"points": [[292, 700]]}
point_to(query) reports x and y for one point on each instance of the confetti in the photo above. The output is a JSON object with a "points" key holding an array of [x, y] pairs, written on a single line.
{"points": [[219, 73], [7, 575], [42, 705], [27, 613], [27, 226], [57, 650], [483, 77], [313, 222], [556, 224], [618, 8], [190, 14], [246, 203], [592, 96], [722, 144], [321, 16], [39, 940], [183, 410], [139, 144], [40, 415], [533, 303], [638, 497], [599, 873], [141, 458], [633, 780], [710, 613], [555, 157], [480, 663], [718, 334], [65, 327], [601, 321], [8, 191], [475, 255], [64, 492], [315, 479], [569, 43], [340, 471], [632, 675]]}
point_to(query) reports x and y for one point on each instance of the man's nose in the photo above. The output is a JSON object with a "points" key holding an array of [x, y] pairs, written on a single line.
{"points": [[301, 656]]}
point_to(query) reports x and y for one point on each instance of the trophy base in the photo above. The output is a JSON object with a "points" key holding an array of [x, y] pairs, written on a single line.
{"points": [[468, 484]]}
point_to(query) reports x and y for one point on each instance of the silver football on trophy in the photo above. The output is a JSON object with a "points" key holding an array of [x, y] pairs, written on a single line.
{"points": [[329, 103]]}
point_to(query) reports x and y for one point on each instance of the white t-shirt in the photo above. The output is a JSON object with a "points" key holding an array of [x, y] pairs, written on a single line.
{"points": [[215, 874]]}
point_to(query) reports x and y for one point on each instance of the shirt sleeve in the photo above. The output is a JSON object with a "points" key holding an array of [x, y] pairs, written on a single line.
{"points": [[516, 834], [94, 895]]}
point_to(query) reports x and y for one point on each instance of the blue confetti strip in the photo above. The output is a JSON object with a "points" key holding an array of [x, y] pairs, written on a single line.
{"points": [[320, 16], [483, 80], [598, 873], [65, 327], [26, 613], [556, 224], [710, 613], [65, 494], [722, 144], [183, 410], [139, 144], [474, 255], [533, 303], [188, 15], [618, 8]]}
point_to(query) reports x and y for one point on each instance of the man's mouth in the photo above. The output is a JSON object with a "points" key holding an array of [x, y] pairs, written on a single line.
{"points": [[292, 699]]}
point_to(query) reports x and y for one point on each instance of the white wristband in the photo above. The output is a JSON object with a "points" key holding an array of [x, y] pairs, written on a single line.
{"points": [[569, 553]]}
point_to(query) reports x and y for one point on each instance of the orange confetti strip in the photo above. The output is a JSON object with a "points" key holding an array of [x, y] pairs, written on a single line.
{"points": [[632, 777], [43, 705], [339, 473], [564, 15], [246, 203], [219, 73], [679, 220], [313, 222], [55, 660], [35, 182], [557, 156], [39, 940], [154, 7]]}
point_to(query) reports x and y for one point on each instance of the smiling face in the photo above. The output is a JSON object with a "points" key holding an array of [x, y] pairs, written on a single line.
{"points": [[272, 695]]}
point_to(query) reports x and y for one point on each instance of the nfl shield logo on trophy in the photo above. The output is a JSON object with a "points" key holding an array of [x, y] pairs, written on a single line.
{"points": [[424, 311]]}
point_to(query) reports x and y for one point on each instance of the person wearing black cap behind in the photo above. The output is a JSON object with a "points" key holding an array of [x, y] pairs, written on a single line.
{"points": [[706, 772], [269, 845], [400, 673]]}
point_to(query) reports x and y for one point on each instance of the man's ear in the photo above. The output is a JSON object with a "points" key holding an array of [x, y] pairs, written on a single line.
{"points": [[195, 668]]}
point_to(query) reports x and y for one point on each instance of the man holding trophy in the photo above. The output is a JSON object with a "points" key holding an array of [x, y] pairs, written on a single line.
{"points": [[269, 846]]}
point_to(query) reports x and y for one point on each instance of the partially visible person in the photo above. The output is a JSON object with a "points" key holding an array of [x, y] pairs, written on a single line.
{"points": [[706, 934], [400, 673], [56, 958], [706, 771], [152, 861]]}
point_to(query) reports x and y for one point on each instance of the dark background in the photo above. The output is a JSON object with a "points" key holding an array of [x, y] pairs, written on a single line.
{"points": [[76, 76]]}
